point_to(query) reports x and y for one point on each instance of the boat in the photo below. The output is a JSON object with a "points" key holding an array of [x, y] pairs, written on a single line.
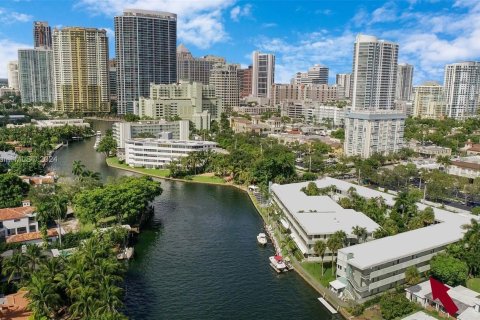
{"points": [[262, 239], [276, 262]]}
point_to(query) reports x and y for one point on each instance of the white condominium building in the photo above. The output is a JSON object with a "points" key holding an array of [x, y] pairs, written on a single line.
{"points": [[12, 74], [123, 131], [81, 76], [343, 82], [158, 153], [263, 74], [462, 89], [190, 101], [224, 78], [404, 82], [318, 113], [373, 125], [428, 101], [317, 74], [35, 75]]}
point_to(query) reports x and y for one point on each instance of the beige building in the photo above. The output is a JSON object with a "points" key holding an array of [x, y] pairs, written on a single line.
{"points": [[224, 78], [294, 92], [189, 100], [12, 74], [256, 125], [81, 71], [190, 68], [428, 101], [263, 74]]}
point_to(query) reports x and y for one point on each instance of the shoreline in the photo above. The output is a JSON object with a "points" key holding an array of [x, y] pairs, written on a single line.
{"points": [[312, 283]]}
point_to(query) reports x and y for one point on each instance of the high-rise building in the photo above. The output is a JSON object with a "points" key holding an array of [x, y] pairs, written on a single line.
{"points": [[189, 100], [404, 88], [80, 57], [12, 74], [112, 79], [298, 92], [224, 78], [35, 75], [245, 78], [372, 125], [317, 74], [263, 74], [194, 69], [42, 35], [428, 101], [343, 81], [462, 89], [145, 50]]}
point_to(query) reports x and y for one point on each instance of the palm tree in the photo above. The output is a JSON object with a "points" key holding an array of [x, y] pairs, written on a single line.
{"points": [[15, 266], [42, 296], [59, 211], [320, 247], [78, 168], [334, 243], [33, 256], [360, 232], [84, 303]]}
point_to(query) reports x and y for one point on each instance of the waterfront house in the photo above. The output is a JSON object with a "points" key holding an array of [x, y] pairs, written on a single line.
{"points": [[33, 237]]}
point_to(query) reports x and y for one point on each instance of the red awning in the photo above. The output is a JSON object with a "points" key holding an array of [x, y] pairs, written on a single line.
{"points": [[278, 258]]}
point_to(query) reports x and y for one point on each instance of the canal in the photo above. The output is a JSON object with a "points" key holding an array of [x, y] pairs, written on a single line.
{"points": [[199, 259]]}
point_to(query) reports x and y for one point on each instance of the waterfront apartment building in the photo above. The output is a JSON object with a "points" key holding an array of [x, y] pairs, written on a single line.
{"points": [[194, 69], [12, 74], [263, 74], [462, 89], [80, 57], [123, 131], [297, 92], [42, 35], [245, 79], [404, 88], [317, 74], [343, 81], [35, 75], [145, 50], [429, 101], [224, 78], [158, 153], [112, 79], [314, 218], [372, 125], [190, 101]]}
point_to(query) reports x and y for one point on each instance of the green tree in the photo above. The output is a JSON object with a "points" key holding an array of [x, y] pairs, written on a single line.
{"points": [[334, 243], [320, 247], [395, 305], [130, 117], [412, 276], [360, 232], [42, 296], [448, 269], [12, 190], [78, 168], [108, 146], [27, 165]]}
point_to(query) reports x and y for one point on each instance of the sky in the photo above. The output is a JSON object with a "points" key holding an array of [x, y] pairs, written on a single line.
{"points": [[431, 33]]}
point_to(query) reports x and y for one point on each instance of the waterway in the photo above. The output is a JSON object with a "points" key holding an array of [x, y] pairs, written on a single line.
{"points": [[198, 258]]}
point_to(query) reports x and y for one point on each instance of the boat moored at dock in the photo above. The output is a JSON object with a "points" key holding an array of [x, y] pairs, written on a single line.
{"points": [[262, 239]]}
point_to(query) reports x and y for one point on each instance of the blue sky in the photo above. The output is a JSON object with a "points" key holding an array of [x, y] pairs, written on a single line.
{"points": [[431, 33]]}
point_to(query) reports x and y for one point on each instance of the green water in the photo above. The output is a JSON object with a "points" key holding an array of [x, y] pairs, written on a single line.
{"points": [[199, 259]]}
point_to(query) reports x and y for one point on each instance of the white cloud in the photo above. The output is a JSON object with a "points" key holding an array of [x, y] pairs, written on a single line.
{"points": [[199, 22], [9, 53], [239, 11], [8, 17], [269, 25]]}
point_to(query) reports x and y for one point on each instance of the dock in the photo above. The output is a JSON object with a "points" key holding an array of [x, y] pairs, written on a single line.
{"points": [[327, 305]]}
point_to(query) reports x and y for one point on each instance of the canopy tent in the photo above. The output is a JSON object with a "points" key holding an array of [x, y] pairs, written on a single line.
{"points": [[337, 285]]}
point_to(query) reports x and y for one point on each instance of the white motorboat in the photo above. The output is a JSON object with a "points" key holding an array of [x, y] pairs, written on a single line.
{"points": [[262, 239], [277, 263]]}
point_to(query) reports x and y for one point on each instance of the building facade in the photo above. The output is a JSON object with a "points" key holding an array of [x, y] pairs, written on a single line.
{"points": [[263, 74], [112, 79], [42, 35], [317, 74], [12, 74], [80, 57], [145, 50], [429, 101], [158, 153], [298, 92], [404, 88], [372, 125], [190, 101], [18, 220], [35, 75], [462, 89], [194, 69], [123, 131], [224, 78], [245, 79], [343, 81]]}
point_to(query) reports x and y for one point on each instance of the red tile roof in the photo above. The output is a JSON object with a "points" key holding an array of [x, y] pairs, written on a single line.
{"points": [[15, 307], [31, 236], [15, 213]]}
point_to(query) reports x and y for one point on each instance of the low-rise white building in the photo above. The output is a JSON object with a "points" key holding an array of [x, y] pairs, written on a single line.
{"points": [[18, 220], [468, 167], [123, 131], [53, 123], [158, 153]]}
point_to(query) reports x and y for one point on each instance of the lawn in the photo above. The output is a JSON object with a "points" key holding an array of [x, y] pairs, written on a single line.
{"points": [[208, 179], [315, 270], [474, 284]]}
